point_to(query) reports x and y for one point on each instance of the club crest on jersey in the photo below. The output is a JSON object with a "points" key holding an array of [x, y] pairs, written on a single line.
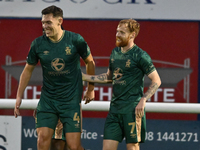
{"points": [[68, 51], [112, 60], [128, 62], [46, 52]]}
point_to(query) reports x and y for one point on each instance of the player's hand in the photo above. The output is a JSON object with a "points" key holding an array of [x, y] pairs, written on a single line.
{"points": [[139, 109], [89, 96], [17, 105], [34, 113]]}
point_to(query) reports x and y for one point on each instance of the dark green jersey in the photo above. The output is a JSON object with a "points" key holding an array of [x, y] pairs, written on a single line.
{"points": [[60, 61], [128, 70]]}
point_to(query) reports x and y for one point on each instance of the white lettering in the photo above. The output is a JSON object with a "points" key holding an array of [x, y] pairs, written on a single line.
{"points": [[105, 93], [94, 135], [30, 133], [35, 92], [156, 94], [167, 94], [102, 94], [83, 134], [96, 88], [88, 135], [26, 91]]}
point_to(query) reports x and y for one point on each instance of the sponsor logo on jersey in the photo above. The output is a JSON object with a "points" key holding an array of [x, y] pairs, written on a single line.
{"points": [[58, 64], [118, 73]]}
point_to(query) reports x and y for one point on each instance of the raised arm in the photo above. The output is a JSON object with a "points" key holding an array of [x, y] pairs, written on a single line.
{"points": [[155, 83], [23, 82], [102, 78]]}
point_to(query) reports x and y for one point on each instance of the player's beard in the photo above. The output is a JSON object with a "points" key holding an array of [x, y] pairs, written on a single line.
{"points": [[122, 42]]}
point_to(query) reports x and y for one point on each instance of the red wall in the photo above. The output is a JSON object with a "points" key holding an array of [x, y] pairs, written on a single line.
{"points": [[163, 40]]}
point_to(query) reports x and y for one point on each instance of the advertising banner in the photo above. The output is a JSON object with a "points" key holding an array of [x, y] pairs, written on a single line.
{"points": [[10, 133], [29, 134], [106, 9], [20, 134], [161, 134]]}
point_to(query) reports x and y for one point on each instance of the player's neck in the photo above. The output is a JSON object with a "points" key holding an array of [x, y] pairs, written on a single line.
{"points": [[128, 47], [57, 37]]}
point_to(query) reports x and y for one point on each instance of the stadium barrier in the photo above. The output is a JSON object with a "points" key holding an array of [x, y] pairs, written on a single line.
{"points": [[193, 108]]}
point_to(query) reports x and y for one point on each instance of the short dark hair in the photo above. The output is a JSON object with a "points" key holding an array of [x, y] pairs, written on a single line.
{"points": [[56, 11]]}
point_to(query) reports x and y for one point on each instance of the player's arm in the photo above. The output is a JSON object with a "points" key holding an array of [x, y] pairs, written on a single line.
{"points": [[23, 82], [155, 83], [102, 78], [90, 69]]}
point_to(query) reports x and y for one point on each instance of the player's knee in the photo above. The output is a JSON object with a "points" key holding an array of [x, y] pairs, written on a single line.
{"points": [[42, 140], [133, 146], [40, 143], [74, 147]]}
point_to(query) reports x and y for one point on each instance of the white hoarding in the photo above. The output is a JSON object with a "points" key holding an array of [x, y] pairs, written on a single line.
{"points": [[106, 9], [10, 133]]}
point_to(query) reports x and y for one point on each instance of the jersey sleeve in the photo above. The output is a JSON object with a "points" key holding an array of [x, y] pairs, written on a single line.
{"points": [[82, 47], [146, 64], [111, 61], [32, 58]]}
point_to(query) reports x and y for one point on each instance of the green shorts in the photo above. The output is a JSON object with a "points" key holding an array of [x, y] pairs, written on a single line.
{"points": [[48, 114], [118, 126]]}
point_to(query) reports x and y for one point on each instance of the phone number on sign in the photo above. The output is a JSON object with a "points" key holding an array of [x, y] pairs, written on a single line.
{"points": [[172, 136]]}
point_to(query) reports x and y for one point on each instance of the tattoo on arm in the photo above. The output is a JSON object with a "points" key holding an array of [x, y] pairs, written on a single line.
{"points": [[102, 77], [152, 89], [92, 78]]}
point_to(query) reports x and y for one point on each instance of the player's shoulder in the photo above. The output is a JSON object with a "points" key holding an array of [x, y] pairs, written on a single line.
{"points": [[138, 51], [71, 34], [138, 54], [116, 50], [40, 39]]}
